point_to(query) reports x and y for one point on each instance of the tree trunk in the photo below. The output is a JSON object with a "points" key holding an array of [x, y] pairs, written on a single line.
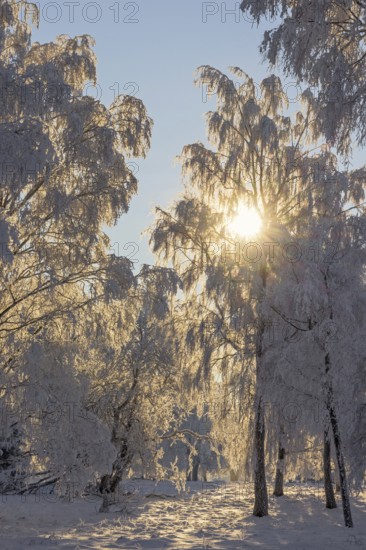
{"points": [[280, 467], [192, 474], [342, 469], [260, 486], [195, 471], [234, 475], [109, 482], [337, 481], [330, 501], [338, 447]]}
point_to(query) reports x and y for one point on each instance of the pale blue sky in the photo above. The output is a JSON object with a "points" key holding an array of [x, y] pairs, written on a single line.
{"points": [[159, 53]]}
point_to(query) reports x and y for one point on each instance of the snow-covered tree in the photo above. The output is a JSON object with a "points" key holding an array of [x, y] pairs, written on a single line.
{"points": [[322, 45], [64, 178], [327, 296], [259, 162], [65, 175], [133, 367]]}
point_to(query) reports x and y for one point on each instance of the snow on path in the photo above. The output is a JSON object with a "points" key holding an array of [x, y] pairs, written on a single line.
{"points": [[210, 516]]}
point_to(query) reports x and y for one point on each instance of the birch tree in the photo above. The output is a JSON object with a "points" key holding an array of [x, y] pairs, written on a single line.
{"points": [[330, 300], [322, 45], [55, 199], [258, 161], [65, 176], [134, 371]]}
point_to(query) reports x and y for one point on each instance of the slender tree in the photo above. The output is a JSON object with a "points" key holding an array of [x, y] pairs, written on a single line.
{"points": [[330, 501]]}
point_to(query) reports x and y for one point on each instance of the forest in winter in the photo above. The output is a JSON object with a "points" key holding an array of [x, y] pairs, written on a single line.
{"points": [[216, 397]]}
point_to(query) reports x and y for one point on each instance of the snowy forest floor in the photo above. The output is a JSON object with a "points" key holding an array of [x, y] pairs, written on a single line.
{"points": [[208, 515]]}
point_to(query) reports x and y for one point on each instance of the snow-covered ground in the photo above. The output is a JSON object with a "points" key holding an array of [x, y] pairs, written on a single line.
{"points": [[208, 515]]}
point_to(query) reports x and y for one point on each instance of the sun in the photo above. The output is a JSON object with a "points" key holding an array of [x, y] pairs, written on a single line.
{"points": [[246, 222]]}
